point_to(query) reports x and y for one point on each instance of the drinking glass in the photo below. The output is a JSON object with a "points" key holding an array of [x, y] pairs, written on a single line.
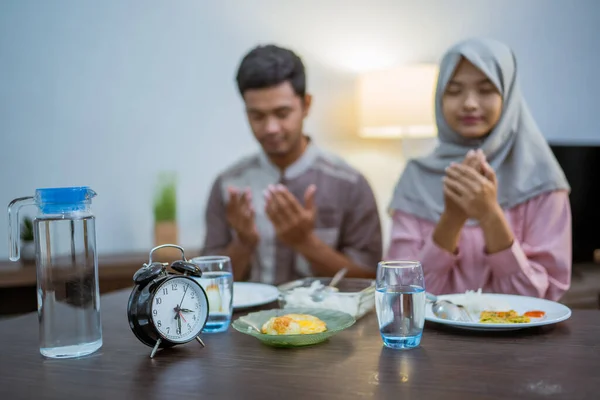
{"points": [[217, 281], [400, 303]]}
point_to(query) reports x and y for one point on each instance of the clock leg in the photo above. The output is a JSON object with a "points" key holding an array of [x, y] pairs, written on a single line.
{"points": [[155, 348], [200, 341]]}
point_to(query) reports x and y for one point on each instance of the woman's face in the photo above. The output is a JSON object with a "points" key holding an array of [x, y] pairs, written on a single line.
{"points": [[471, 104]]}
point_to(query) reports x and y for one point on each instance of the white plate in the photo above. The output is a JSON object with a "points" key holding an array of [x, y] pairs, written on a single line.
{"points": [[250, 294], [555, 312]]}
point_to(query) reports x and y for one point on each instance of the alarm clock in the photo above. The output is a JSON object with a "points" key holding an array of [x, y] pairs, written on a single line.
{"points": [[166, 309]]}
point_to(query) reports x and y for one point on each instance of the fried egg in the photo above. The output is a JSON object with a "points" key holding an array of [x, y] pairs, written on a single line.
{"points": [[294, 324]]}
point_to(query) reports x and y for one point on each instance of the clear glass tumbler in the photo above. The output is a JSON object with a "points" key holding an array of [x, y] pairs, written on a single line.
{"points": [[400, 303], [217, 281]]}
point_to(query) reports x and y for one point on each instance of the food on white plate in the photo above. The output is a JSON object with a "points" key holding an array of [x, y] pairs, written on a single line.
{"points": [[503, 317], [476, 302], [535, 314], [510, 317], [492, 310]]}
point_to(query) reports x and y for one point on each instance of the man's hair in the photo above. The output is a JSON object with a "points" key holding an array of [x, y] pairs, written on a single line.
{"points": [[268, 66]]}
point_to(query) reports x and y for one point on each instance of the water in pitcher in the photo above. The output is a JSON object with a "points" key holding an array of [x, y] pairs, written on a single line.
{"points": [[68, 298]]}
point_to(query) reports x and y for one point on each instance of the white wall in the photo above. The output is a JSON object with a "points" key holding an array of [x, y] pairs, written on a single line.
{"points": [[109, 93]]}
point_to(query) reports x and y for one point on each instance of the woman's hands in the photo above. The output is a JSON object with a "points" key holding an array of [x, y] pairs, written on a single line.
{"points": [[447, 231], [470, 193], [453, 209]]}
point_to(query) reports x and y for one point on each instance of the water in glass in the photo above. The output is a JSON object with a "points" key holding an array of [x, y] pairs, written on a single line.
{"points": [[217, 281]]}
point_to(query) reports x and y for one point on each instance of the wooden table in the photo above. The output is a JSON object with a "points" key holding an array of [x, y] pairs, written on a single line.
{"points": [[561, 361]]}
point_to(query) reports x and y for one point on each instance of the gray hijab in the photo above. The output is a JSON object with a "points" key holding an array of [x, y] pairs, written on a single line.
{"points": [[524, 164]]}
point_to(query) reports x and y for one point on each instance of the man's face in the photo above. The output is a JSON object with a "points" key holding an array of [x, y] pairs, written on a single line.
{"points": [[276, 115]]}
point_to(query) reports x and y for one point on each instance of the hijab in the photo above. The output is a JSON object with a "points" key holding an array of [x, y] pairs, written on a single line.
{"points": [[515, 148]]}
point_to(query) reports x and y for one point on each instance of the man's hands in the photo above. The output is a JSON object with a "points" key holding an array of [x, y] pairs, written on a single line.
{"points": [[293, 222], [240, 216]]}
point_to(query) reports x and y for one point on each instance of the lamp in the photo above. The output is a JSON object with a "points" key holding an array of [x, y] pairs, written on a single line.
{"points": [[398, 102]]}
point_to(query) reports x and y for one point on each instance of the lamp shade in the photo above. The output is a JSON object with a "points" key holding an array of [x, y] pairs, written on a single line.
{"points": [[398, 102]]}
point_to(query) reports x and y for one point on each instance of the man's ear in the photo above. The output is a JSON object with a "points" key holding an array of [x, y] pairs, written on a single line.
{"points": [[307, 103]]}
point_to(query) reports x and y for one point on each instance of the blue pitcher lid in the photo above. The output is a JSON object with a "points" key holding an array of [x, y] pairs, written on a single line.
{"points": [[63, 199]]}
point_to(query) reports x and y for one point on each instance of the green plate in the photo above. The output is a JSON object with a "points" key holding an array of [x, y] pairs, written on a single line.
{"points": [[336, 321]]}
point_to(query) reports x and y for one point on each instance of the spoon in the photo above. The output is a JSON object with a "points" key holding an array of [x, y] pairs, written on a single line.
{"points": [[319, 294], [447, 310], [250, 324]]}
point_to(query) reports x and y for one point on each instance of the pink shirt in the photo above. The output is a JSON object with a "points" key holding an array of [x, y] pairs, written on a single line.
{"points": [[537, 264]]}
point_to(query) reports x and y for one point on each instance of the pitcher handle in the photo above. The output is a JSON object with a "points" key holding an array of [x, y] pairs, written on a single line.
{"points": [[14, 226]]}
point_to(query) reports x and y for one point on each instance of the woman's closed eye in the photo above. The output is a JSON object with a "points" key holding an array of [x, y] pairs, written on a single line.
{"points": [[453, 89], [487, 89]]}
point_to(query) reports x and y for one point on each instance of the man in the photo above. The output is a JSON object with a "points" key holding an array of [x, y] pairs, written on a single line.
{"points": [[292, 210]]}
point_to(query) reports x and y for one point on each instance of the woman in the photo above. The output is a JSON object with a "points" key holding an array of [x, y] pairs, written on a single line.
{"points": [[489, 208]]}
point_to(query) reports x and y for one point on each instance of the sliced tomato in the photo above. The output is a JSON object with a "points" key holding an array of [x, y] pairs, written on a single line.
{"points": [[535, 314]]}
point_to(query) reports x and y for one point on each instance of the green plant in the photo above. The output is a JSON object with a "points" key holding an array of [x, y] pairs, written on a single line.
{"points": [[165, 202], [27, 230]]}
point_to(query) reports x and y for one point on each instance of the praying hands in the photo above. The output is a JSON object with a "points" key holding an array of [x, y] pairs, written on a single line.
{"points": [[471, 187], [292, 221], [471, 191]]}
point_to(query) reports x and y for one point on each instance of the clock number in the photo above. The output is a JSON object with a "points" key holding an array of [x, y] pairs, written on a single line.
{"points": [[165, 291], [168, 329], [197, 305], [178, 331], [193, 295], [174, 286], [158, 300], [194, 317], [189, 327], [158, 323], [155, 312]]}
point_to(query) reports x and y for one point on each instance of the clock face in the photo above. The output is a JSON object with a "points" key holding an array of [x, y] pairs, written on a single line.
{"points": [[179, 309]]}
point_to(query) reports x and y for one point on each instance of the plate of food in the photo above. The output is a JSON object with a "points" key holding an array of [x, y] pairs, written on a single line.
{"points": [[293, 327], [252, 294], [494, 312]]}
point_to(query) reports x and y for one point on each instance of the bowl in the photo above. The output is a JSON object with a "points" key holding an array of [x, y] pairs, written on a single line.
{"points": [[355, 296], [336, 322]]}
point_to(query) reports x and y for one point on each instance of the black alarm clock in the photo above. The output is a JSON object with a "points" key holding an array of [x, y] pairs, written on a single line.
{"points": [[166, 309]]}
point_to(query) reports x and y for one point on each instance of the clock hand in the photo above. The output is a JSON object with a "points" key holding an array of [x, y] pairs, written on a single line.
{"points": [[185, 310], [184, 292], [181, 316], [179, 324]]}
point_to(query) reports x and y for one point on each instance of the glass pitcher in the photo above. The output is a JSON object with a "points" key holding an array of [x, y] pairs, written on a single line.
{"points": [[67, 269]]}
